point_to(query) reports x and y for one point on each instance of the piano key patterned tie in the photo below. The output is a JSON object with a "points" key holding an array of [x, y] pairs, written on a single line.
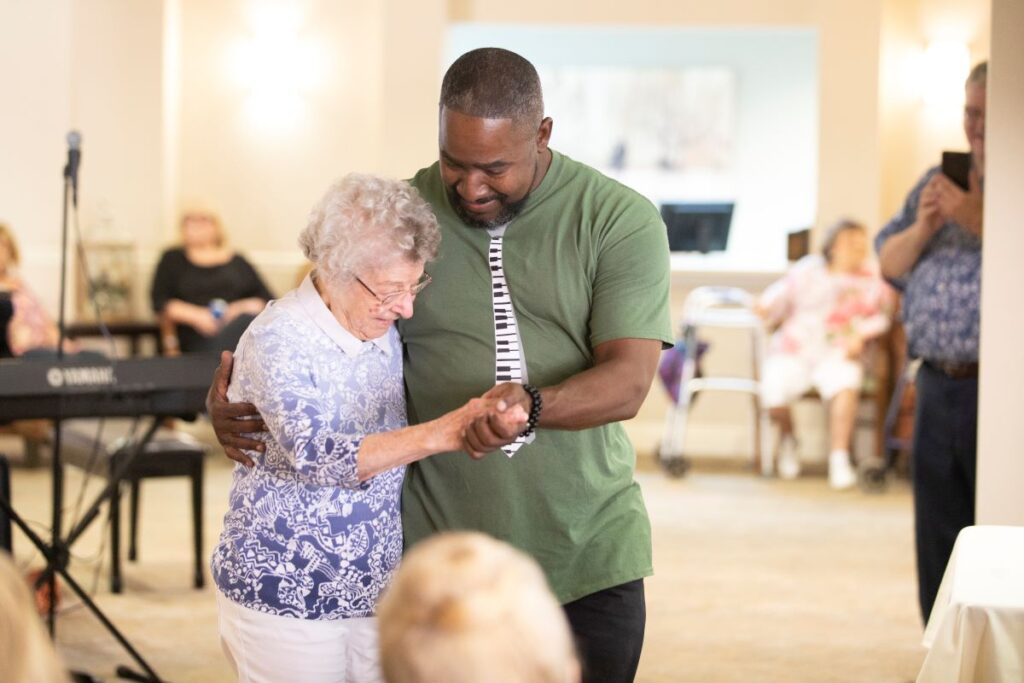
{"points": [[509, 365]]}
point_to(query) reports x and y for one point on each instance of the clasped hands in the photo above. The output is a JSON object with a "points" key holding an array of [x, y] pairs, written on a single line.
{"points": [[480, 426], [505, 418]]}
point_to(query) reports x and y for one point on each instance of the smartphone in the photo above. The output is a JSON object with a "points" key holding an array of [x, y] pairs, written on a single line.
{"points": [[957, 167]]}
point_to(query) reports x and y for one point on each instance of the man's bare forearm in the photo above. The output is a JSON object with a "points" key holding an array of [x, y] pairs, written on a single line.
{"points": [[612, 390]]}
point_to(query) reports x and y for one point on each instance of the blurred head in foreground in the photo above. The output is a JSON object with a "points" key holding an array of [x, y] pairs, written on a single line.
{"points": [[26, 653], [466, 608]]}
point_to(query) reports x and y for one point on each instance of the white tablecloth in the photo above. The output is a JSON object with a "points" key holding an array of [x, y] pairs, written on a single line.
{"points": [[976, 630]]}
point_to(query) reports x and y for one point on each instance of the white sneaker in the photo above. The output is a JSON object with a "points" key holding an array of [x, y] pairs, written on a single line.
{"points": [[789, 461], [841, 474]]}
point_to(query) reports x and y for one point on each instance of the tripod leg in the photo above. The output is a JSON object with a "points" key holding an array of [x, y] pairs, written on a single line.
{"points": [[197, 519], [55, 567], [87, 601], [115, 539], [133, 530], [6, 541]]}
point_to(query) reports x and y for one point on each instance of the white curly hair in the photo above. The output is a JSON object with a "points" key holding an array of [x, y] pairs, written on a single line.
{"points": [[365, 221]]}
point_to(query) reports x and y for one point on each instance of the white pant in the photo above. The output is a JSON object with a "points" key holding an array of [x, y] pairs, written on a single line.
{"points": [[267, 648], [787, 377]]}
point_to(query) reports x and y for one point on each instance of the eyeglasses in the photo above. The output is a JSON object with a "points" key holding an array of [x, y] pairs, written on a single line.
{"points": [[386, 300]]}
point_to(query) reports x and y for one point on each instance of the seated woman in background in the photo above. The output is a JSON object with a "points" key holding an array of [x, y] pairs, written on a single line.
{"points": [[827, 306], [25, 329], [204, 293], [466, 608], [24, 323]]}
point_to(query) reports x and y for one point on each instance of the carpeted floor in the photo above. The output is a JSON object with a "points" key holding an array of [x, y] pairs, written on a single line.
{"points": [[757, 580]]}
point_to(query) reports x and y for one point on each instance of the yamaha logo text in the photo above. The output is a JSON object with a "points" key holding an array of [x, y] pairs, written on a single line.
{"points": [[100, 375]]}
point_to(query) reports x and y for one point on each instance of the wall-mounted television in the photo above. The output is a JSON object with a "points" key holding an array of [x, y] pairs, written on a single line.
{"points": [[699, 227]]}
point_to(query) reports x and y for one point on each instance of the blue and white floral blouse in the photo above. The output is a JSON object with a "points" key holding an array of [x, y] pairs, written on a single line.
{"points": [[942, 292], [302, 537]]}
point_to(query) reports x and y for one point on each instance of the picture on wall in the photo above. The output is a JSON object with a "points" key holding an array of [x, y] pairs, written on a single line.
{"points": [[674, 120], [107, 290]]}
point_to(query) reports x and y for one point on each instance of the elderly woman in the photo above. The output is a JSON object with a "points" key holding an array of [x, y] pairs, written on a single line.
{"points": [[313, 533], [204, 293], [826, 307]]}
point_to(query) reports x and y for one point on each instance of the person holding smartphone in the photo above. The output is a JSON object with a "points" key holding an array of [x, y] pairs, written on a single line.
{"points": [[931, 251]]}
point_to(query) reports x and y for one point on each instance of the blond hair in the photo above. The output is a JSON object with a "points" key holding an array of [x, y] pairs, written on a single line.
{"points": [[7, 237], [198, 213], [25, 650], [466, 608]]}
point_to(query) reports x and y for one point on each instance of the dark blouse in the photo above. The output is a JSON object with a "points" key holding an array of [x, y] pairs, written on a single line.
{"points": [[6, 313], [178, 278]]}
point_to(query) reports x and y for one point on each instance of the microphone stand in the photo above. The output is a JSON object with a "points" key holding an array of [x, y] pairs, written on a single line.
{"points": [[57, 558], [58, 553]]}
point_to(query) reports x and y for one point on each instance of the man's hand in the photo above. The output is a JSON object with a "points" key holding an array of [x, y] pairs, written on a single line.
{"points": [[963, 208], [900, 252], [929, 215], [450, 428], [230, 420], [500, 426]]}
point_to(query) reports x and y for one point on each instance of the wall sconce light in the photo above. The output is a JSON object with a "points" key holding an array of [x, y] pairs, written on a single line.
{"points": [[943, 69], [274, 65]]}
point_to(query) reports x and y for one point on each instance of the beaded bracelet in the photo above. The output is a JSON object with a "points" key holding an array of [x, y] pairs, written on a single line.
{"points": [[535, 405]]}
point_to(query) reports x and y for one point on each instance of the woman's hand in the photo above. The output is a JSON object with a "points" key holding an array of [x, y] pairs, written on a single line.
{"points": [[199, 318], [250, 306], [382, 451], [854, 346]]}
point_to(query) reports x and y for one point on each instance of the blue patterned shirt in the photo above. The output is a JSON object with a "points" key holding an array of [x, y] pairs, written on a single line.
{"points": [[942, 292], [302, 537]]}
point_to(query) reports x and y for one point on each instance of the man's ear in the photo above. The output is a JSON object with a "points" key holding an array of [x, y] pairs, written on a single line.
{"points": [[544, 134]]}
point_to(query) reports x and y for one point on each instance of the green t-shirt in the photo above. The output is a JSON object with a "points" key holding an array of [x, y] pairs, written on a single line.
{"points": [[586, 262]]}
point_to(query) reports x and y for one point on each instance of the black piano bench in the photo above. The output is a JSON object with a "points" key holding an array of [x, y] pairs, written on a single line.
{"points": [[170, 453]]}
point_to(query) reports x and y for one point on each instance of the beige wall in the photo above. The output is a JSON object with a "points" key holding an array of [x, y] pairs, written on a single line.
{"points": [[1000, 434], [34, 119], [913, 135], [117, 104], [372, 108], [262, 178], [93, 67]]}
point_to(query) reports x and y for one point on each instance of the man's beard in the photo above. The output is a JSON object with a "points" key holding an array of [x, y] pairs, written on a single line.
{"points": [[506, 213]]}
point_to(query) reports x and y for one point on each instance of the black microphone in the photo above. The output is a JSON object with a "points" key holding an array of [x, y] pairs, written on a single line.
{"points": [[74, 139]]}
